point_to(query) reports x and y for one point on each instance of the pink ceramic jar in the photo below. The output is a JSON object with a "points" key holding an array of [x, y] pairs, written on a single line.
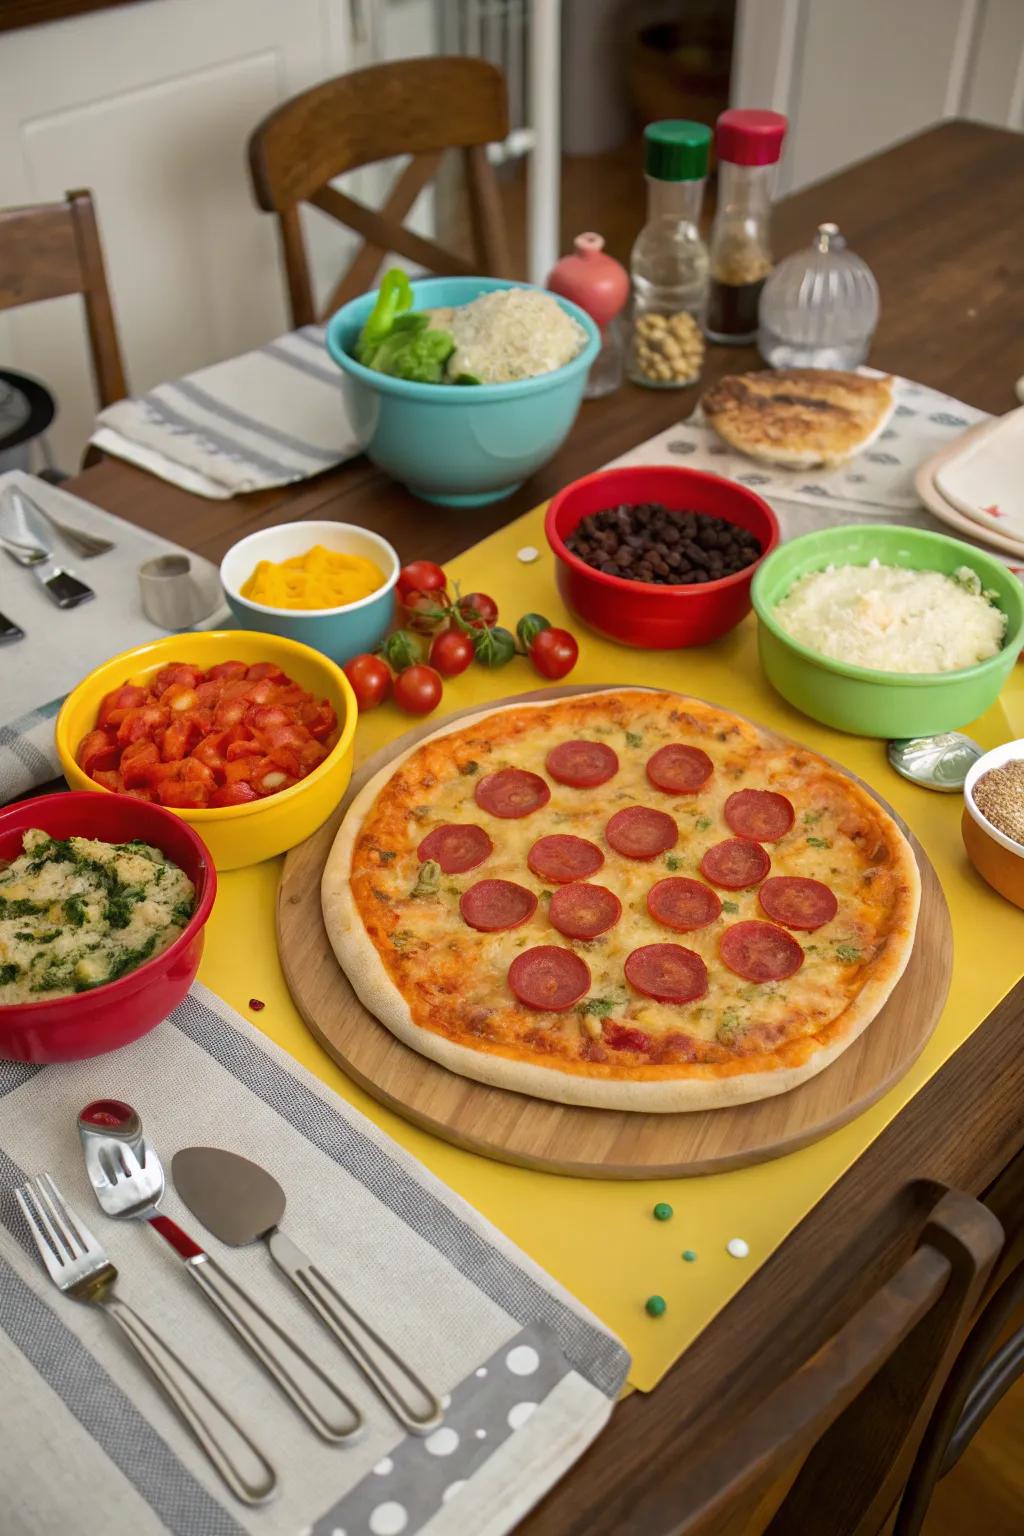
{"points": [[600, 285]]}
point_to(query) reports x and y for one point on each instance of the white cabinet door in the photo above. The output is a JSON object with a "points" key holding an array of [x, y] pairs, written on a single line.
{"points": [[151, 106], [855, 76]]}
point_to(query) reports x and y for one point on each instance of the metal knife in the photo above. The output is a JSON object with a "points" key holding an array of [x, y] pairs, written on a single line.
{"points": [[240, 1202], [24, 537], [9, 630]]}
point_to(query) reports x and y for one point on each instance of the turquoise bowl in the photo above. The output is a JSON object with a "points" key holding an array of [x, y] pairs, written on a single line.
{"points": [[460, 445], [858, 699], [339, 633]]}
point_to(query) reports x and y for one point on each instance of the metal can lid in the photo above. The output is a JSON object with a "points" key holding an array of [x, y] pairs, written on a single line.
{"points": [[935, 762]]}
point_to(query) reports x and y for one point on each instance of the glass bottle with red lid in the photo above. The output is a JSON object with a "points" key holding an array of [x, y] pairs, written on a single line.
{"points": [[749, 144]]}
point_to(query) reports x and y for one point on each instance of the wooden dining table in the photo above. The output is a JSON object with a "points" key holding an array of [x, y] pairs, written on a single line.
{"points": [[940, 223]]}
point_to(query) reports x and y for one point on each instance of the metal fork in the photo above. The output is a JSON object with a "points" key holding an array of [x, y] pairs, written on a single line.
{"points": [[79, 1267]]}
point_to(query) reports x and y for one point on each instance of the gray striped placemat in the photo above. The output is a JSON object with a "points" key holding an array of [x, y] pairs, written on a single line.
{"points": [[528, 1375]]}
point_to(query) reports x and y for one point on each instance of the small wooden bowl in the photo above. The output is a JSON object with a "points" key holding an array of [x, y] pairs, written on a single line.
{"points": [[997, 858]]}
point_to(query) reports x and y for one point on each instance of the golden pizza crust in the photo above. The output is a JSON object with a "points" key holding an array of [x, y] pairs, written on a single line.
{"points": [[799, 417], [695, 1086]]}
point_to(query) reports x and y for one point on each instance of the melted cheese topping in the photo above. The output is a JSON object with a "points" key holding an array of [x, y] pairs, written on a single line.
{"points": [[454, 978]]}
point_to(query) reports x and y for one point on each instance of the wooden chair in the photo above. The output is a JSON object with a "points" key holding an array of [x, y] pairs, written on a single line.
{"points": [[51, 249], [772, 1473], [987, 1366], [418, 107]]}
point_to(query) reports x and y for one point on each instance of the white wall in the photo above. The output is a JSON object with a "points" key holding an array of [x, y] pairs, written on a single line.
{"points": [[151, 107], [855, 76]]}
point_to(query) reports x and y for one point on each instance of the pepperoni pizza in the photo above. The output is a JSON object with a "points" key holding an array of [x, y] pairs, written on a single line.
{"points": [[626, 899]]}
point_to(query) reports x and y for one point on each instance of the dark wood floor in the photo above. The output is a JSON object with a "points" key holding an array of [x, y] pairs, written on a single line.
{"points": [[607, 193]]}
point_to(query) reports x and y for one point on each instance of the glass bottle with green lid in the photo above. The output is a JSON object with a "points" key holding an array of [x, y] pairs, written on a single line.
{"points": [[669, 261]]}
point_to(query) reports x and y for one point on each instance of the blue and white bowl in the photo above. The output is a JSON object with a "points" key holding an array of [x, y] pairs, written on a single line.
{"points": [[339, 633], [460, 445]]}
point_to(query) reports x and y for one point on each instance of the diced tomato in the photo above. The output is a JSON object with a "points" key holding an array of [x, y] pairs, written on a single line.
{"points": [[182, 794], [229, 712], [179, 739], [239, 793], [226, 736], [110, 779], [226, 670], [115, 705], [258, 717], [179, 699], [137, 761], [176, 672], [324, 721], [140, 724], [98, 750], [240, 768]]}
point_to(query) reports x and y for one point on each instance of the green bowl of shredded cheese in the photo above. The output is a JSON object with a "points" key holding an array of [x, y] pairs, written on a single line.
{"points": [[886, 631]]}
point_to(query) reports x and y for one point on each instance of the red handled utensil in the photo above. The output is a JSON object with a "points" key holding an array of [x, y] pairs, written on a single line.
{"points": [[128, 1180]]}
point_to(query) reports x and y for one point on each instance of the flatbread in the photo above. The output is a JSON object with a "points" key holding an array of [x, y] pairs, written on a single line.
{"points": [[799, 418], [442, 986]]}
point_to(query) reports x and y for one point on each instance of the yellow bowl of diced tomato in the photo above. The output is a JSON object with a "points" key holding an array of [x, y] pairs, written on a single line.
{"points": [[247, 736]]}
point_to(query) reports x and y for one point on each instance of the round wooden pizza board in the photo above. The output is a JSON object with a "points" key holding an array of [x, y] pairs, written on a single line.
{"points": [[595, 1143]]}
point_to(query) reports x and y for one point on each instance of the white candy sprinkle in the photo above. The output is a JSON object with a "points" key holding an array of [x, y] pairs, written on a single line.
{"points": [[738, 1247], [528, 554]]}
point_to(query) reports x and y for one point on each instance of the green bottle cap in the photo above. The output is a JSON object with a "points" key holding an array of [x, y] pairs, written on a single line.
{"points": [[676, 150]]}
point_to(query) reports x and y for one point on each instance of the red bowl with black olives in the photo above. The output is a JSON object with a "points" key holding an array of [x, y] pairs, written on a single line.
{"points": [[658, 556]]}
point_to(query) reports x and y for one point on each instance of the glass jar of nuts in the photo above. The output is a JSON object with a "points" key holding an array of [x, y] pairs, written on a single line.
{"points": [[669, 262]]}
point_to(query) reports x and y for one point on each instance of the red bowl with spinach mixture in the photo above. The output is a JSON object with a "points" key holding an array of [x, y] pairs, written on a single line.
{"points": [[652, 615]]}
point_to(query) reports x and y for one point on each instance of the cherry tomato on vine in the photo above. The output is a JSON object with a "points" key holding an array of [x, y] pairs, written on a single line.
{"points": [[403, 649], [420, 576], [451, 652], [554, 652], [371, 680], [425, 612], [477, 609], [418, 690]]}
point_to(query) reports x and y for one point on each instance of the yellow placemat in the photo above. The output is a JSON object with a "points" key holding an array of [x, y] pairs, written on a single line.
{"points": [[599, 1238]]}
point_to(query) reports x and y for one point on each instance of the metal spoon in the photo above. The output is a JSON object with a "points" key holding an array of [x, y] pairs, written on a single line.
{"points": [[939, 762]]}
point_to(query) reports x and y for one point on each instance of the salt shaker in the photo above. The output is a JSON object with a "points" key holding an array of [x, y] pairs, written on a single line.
{"points": [[819, 308], [600, 285]]}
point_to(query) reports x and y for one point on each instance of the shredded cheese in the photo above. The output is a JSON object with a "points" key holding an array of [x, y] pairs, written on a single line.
{"points": [[889, 619]]}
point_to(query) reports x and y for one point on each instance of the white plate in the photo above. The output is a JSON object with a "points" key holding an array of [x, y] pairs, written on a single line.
{"points": [[933, 499]]}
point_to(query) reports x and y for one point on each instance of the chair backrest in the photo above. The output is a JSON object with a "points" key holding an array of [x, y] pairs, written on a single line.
{"points": [[915, 1318], [416, 107], [52, 249]]}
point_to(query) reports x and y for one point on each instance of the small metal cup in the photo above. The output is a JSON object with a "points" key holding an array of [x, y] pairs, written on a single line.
{"points": [[172, 596]]}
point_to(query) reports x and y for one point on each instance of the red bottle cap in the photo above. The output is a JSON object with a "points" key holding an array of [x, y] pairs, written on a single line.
{"points": [[750, 137]]}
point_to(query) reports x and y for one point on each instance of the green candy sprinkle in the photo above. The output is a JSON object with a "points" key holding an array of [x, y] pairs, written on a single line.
{"points": [[662, 1211], [689, 1255], [655, 1306]]}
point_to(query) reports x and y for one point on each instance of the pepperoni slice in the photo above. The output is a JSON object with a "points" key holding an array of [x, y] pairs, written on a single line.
{"points": [[583, 764], [561, 858], [683, 904], [679, 770], [511, 792], [549, 978], [492, 905], [735, 864], [640, 833], [796, 902], [456, 847], [583, 911], [667, 972], [760, 951], [760, 814]]}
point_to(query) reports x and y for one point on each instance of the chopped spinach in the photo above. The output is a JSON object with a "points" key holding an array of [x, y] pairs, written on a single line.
{"points": [[22, 907], [730, 906], [819, 842], [849, 954], [182, 912], [702, 823], [466, 769], [74, 911], [428, 880], [634, 739], [673, 862], [601, 1006], [8, 973]]}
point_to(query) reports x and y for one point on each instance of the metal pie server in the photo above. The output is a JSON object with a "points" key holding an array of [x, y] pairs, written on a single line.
{"points": [[240, 1202], [128, 1181]]}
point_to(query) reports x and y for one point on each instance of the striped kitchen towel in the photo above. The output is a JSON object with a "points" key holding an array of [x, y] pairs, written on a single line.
{"points": [[265, 418], [28, 753], [527, 1376]]}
